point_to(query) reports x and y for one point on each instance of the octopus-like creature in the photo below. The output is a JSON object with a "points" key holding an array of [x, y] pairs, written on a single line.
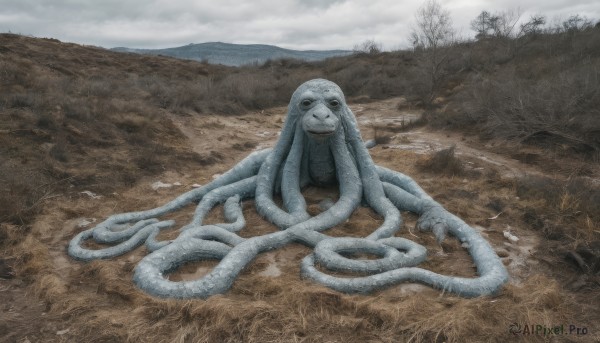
{"points": [[319, 145]]}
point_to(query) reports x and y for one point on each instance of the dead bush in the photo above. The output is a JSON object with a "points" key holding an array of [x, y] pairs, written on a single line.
{"points": [[442, 162], [380, 137], [59, 152], [572, 197], [561, 208], [22, 193]]}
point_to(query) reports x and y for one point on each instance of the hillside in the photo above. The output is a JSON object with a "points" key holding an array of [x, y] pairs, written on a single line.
{"points": [[85, 132], [237, 54]]}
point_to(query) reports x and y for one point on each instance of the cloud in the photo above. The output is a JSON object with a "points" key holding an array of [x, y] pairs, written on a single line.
{"points": [[298, 24]]}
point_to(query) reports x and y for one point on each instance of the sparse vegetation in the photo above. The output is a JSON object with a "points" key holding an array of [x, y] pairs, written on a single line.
{"points": [[62, 116], [558, 206], [540, 87], [370, 46], [76, 118]]}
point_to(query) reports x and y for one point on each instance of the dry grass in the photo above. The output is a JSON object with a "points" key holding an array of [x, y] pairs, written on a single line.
{"points": [[265, 309], [557, 205], [62, 116], [98, 302], [77, 118]]}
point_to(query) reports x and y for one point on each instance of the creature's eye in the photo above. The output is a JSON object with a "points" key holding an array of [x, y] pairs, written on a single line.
{"points": [[306, 102], [334, 103]]}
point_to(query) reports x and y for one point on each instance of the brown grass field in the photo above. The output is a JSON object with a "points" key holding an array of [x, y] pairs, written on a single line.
{"points": [[77, 119]]}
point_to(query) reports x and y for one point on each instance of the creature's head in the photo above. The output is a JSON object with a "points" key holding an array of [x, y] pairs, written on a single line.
{"points": [[320, 107]]}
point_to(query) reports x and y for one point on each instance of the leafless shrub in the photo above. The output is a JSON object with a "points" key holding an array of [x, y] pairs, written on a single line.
{"points": [[561, 209], [380, 137], [79, 109], [534, 26], [27, 99], [245, 146], [572, 197], [576, 23], [369, 46], [22, 193], [442, 162], [549, 102], [59, 152], [557, 109], [16, 72]]}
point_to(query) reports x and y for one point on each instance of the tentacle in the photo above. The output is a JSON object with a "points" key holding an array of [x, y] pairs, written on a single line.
{"points": [[404, 182], [373, 188], [148, 274], [403, 200], [327, 253], [293, 200], [144, 230], [432, 214], [492, 274], [195, 243], [231, 195], [108, 231], [213, 233], [147, 230], [105, 235], [243, 189], [267, 176], [248, 167], [232, 211], [350, 191]]}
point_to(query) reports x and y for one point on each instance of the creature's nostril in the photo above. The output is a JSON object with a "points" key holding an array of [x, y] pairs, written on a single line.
{"points": [[327, 116], [315, 116]]}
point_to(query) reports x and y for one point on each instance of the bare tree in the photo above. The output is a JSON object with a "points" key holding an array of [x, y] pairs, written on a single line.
{"points": [[499, 24], [505, 22], [481, 24], [533, 26], [370, 46], [576, 23], [434, 26], [431, 36]]}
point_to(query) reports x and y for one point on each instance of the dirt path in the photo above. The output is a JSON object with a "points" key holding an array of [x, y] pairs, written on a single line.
{"points": [[255, 130], [261, 129], [514, 161], [424, 141]]}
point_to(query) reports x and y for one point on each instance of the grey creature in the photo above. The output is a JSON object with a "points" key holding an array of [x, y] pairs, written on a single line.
{"points": [[319, 145]]}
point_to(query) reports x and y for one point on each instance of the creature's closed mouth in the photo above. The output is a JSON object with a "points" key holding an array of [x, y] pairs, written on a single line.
{"points": [[321, 133]]}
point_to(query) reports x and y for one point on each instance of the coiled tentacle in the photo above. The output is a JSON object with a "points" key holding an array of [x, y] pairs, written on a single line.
{"points": [[111, 230]]}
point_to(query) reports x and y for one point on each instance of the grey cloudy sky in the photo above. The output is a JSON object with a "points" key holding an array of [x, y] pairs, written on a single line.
{"points": [[295, 24]]}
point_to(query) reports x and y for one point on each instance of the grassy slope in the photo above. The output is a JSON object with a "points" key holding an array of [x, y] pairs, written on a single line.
{"points": [[78, 118]]}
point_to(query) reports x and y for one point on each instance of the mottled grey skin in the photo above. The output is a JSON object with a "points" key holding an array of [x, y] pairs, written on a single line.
{"points": [[319, 145]]}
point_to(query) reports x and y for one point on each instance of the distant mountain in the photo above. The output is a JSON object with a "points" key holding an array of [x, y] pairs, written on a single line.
{"points": [[236, 54]]}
